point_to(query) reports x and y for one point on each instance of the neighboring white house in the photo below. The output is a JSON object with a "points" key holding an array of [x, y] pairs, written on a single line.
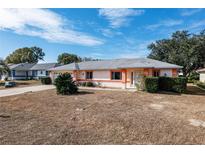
{"points": [[29, 70], [118, 73], [202, 74], [42, 70]]}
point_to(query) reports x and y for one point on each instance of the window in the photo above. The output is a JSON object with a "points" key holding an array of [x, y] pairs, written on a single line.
{"points": [[156, 73], [116, 76], [41, 72], [47, 73], [34, 73], [89, 75]]}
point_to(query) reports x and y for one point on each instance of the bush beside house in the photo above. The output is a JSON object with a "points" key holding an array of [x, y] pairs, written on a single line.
{"points": [[65, 85], [166, 83], [180, 84], [87, 84], [46, 80], [175, 84], [151, 84]]}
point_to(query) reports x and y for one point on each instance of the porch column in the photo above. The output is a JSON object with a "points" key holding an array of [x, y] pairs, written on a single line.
{"points": [[124, 78]]}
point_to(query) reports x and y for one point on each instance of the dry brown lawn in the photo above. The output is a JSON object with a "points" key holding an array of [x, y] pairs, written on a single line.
{"points": [[103, 117]]}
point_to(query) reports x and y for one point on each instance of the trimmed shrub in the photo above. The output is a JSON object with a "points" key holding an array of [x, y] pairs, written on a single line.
{"points": [[83, 84], [90, 84], [46, 80], [87, 84], [180, 84], [151, 84], [166, 83], [65, 85], [176, 84], [178, 89]]}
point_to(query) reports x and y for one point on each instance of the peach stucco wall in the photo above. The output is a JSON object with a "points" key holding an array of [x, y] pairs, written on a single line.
{"points": [[103, 77]]}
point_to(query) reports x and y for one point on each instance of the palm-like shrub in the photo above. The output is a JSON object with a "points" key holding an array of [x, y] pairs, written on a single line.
{"points": [[65, 85], [4, 69]]}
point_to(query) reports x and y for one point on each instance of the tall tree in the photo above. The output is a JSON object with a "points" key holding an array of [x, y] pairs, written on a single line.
{"points": [[3, 67], [23, 55], [182, 48], [67, 58]]}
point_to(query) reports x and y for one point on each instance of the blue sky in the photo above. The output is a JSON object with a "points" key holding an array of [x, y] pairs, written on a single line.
{"points": [[96, 33]]}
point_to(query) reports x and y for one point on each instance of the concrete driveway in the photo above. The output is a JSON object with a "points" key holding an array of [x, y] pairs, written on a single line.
{"points": [[16, 91]]}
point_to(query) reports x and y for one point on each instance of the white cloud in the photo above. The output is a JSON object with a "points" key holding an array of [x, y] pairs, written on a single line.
{"points": [[119, 17], [109, 33], [45, 24], [189, 12], [165, 23]]}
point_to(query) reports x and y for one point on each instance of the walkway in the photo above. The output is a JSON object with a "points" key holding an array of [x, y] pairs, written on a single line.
{"points": [[16, 91]]}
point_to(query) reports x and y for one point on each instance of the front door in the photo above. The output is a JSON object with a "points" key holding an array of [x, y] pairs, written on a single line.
{"points": [[136, 78]]}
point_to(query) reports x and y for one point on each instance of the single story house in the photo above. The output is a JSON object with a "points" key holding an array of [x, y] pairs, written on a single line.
{"points": [[117, 73], [42, 70], [29, 70], [201, 74]]}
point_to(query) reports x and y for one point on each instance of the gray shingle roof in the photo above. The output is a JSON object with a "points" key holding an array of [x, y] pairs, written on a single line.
{"points": [[31, 66], [21, 66], [67, 67], [43, 66], [117, 64]]}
